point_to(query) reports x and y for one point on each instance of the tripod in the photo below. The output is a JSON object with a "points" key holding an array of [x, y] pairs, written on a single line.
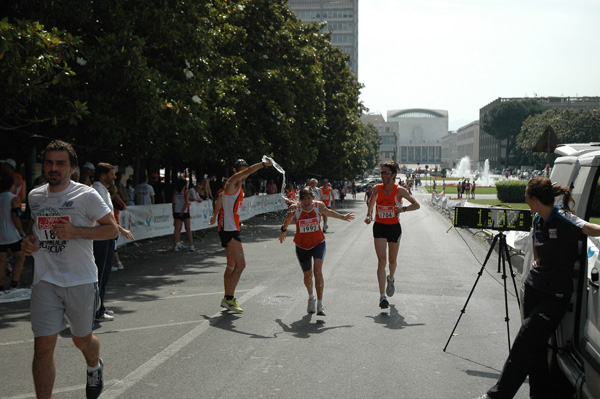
{"points": [[503, 257]]}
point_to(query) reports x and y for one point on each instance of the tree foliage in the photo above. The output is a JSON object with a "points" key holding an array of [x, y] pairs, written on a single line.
{"points": [[36, 77], [187, 83], [504, 121], [570, 126]]}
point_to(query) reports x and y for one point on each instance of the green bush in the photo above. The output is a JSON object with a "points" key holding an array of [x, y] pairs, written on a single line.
{"points": [[511, 191]]}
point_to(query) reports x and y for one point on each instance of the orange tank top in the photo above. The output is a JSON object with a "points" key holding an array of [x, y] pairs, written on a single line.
{"points": [[308, 227], [384, 211], [326, 196]]}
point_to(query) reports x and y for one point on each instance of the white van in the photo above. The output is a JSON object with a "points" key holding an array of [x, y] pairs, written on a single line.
{"points": [[574, 350]]}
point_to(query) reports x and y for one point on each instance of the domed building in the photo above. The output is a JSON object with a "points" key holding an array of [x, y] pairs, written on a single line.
{"points": [[420, 133]]}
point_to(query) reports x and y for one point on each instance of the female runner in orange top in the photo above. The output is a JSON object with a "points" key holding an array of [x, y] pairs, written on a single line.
{"points": [[310, 241], [387, 201]]}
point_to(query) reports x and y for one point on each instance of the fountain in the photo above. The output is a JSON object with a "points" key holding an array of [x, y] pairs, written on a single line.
{"points": [[484, 178], [464, 168], [464, 171]]}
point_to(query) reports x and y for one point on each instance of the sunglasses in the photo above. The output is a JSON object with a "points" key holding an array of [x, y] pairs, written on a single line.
{"points": [[386, 172]]}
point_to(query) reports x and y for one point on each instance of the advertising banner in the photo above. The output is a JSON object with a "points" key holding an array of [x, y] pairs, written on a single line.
{"points": [[147, 221]]}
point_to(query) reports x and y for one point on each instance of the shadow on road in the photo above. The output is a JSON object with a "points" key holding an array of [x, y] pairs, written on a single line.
{"points": [[392, 320], [303, 328], [226, 321]]}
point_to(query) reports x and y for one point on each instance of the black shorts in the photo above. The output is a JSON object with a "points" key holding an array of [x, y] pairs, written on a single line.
{"points": [[14, 247], [305, 256], [392, 232], [176, 216], [226, 236]]}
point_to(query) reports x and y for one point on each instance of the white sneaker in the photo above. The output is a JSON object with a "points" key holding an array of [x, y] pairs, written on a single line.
{"points": [[191, 249], [390, 289], [105, 317], [311, 305], [320, 311], [114, 269], [120, 266]]}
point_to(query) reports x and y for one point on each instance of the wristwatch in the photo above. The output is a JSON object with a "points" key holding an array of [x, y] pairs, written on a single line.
{"points": [[282, 229]]}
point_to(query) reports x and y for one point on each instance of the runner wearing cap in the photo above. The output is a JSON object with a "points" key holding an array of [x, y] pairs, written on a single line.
{"points": [[228, 207]]}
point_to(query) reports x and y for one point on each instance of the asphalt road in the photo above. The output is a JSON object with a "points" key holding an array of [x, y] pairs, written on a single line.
{"points": [[170, 338]]}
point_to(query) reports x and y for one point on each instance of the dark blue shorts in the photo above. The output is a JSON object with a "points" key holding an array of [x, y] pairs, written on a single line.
{"points": [[305, 256]]}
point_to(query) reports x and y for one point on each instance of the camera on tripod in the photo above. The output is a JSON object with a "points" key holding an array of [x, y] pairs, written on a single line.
{"points": [[502, 219]]}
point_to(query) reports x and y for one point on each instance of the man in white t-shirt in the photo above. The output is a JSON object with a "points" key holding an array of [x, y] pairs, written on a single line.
{"points": [[67, 217], [144, 193]]}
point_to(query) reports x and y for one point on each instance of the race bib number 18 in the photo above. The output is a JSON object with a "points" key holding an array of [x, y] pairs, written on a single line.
{"points": [[45, 224]]}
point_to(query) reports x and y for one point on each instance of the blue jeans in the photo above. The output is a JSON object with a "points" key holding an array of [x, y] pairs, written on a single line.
{"points": [[104, 252]]}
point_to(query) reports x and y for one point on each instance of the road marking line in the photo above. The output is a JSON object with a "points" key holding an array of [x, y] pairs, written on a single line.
{"points": [[120, 387]]}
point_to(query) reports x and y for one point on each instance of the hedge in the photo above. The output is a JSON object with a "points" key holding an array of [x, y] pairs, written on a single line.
{"points": [[511, 191]]}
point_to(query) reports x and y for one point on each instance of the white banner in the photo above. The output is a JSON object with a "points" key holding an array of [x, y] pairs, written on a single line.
{"points": [[147, 221]]}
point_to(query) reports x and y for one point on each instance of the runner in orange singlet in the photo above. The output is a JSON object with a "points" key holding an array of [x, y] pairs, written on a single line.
{"points": [[310, 242], [328, 199], [387, 201], [228, 206]]}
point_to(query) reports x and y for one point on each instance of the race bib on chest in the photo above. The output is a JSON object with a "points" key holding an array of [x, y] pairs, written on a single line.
{"points": [[47, 240], [386, 212], [308, 225], [553, 233], [45, 224]]}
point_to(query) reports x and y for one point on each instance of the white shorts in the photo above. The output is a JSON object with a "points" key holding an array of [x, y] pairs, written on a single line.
{"points": [[53, 306]]}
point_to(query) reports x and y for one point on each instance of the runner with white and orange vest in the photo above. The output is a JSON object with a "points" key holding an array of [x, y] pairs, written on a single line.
{"points": [[228, 206], [310, 242], [387, 200], [328, 199]]}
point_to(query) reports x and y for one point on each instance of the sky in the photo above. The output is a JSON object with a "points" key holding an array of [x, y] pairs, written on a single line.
{"points": [[460, 55]]}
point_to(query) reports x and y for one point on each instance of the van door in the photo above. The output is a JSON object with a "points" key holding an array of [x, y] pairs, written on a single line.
{"points": [[590, 340]]}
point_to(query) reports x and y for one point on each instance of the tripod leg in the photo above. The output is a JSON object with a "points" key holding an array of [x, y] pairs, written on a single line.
{"points": [[473, 289], [513, 275], [503, 247]]}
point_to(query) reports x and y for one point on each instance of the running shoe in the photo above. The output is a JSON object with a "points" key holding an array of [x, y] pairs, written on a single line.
{"points": [[120, 266], [236, 307], [95, 382], [114, 269], [383, 303], [231, 305], [320, 311], [105, 317], [390, 289], [311, 305], [191, 249], [225, 304]]}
